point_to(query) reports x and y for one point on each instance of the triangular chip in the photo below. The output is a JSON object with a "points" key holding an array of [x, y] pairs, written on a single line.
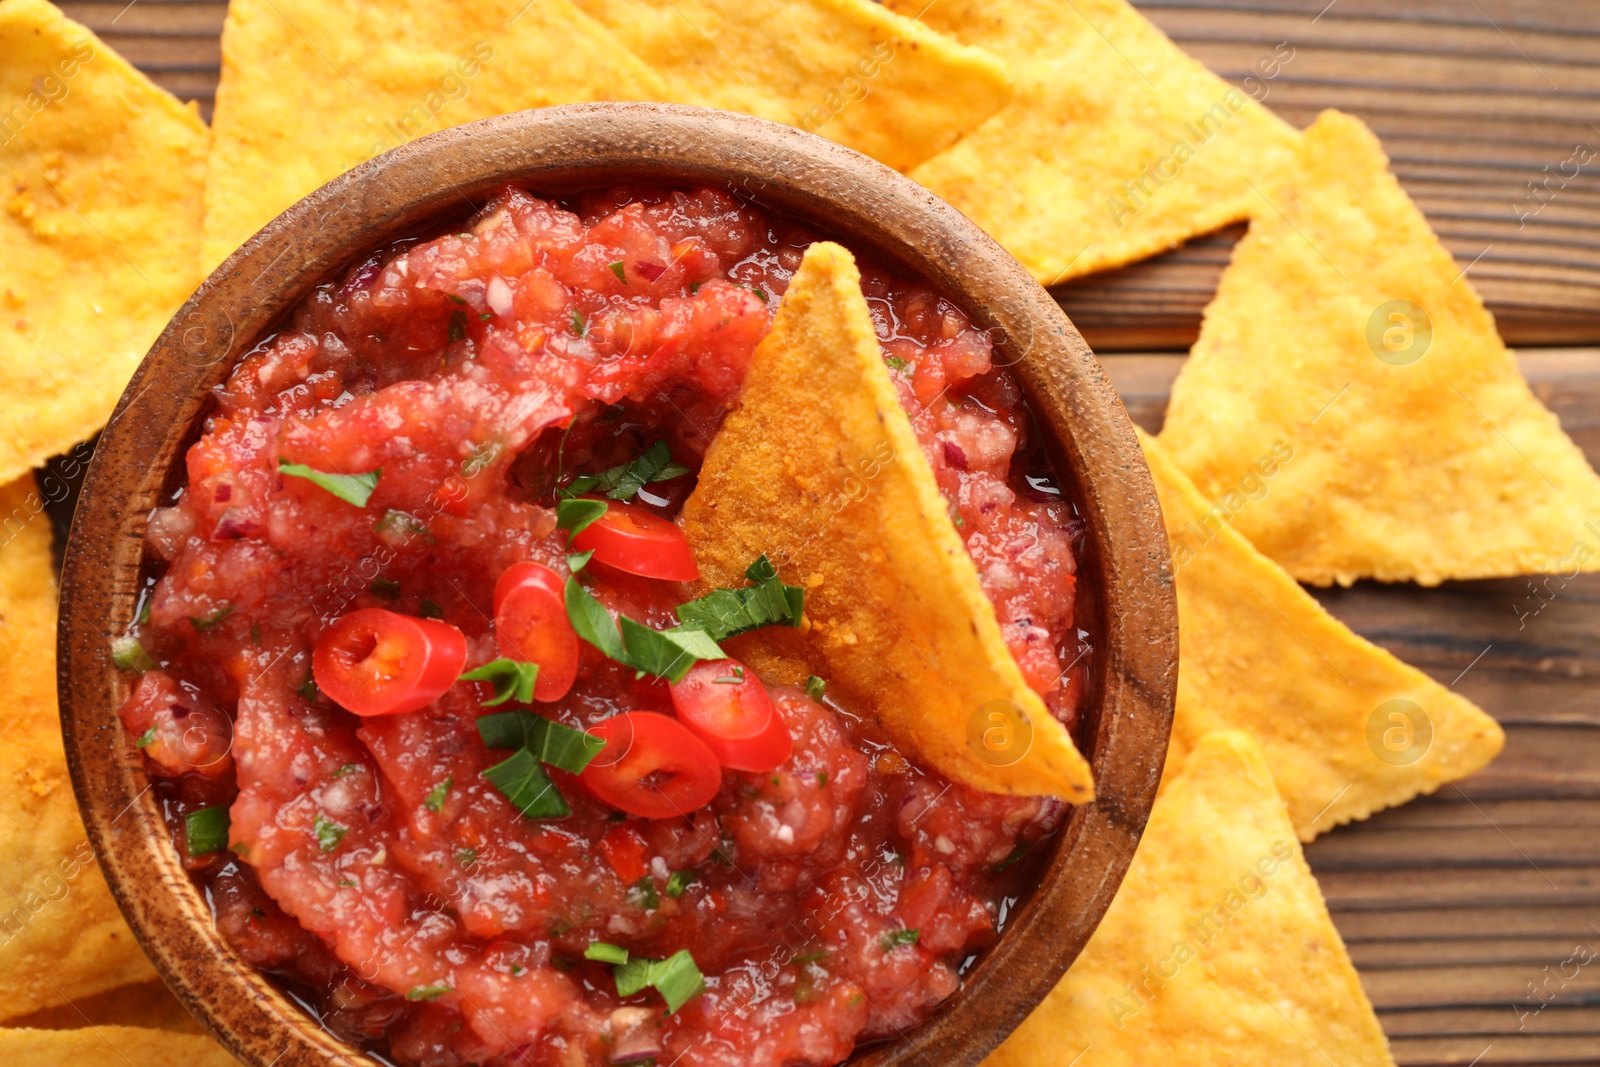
{"points": [[1347, 728], [1118, 145], [103, 174], [110, 1046], [820, 469], [311, 88], [147, 1004], [1217, 951], [1344, 328], [61, 936], [845, 69]]}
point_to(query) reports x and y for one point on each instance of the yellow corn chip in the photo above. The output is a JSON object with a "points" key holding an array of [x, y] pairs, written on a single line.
{"points": [[1217, 950], [147, 1004], [61, 937], [846, 69], [1344, 328], [1347, 728], [311, 88], [100, 226], [110, 1046], [1118, 145], [820, 469]]}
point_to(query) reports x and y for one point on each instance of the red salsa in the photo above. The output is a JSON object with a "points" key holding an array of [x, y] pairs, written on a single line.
{"points": [[465, 457]]}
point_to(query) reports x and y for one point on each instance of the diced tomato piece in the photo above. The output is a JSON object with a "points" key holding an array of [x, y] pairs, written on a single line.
{"points": [[377, 662], [640, 542], [725, 705], [531, 625], [652, 766], [624, 849]]}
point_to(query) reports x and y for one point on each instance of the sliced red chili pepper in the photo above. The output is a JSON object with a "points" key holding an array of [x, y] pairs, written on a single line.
{"points": [[531, 625], [377, 662], [640, 542], [652, 766], [725, 705]]}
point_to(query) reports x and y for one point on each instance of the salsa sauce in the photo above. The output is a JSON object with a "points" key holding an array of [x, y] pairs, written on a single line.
{"points": [[369, 865]]}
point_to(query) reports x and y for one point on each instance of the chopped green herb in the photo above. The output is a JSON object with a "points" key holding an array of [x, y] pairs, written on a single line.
{"points": [[579, 327], [352, 488], [593, 622], [579, 560], [680, 882], [207, 622], [308, 689], [896, 938], [623, 481], [643, 893], [811, 957], [575, 515], [512, 680], [666, 653], [815, 687], [1013, 856], [896, 362], [676, 978], [428, 992], [484, 316], [735, 678], [329, 833], [436, 795], [725, 613], [345, 883], [694, 287], [605, 953], [454, 299], [348, 768], [458, 325], [548, 741], [144, 612], [205, 831], [387, 588], [522, 780], [429, 610], [146, 739], [129, 655], [479, 458], [255, 634], [617, 269], [762, 293], [466, 857], [399, 522], [822, 779]]}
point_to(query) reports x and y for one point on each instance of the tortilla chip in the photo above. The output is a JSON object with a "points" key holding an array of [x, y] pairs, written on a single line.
{"points": [[61, 937], [1419, 454], [846, 69], [819, 468], [1346, 727], [1118, 145], [147, 1004], [311, 88], [101, 224], [110, 1046], [1217, 950]]}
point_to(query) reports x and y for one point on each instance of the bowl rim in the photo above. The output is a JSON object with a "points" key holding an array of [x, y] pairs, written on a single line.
{"points": [[874, 209]]}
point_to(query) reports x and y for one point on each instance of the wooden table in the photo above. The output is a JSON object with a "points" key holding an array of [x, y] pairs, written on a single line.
{"points": [[1457, 907]]}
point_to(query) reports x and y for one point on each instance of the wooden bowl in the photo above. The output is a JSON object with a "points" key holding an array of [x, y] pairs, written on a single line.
{"points": [[1130, 606]]}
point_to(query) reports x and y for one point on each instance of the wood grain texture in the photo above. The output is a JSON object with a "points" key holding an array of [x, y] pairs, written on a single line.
{"points": [[1459, 909]]}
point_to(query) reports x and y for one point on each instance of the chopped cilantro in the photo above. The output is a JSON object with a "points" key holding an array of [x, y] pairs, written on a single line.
{"points": [[480, 457], [643, 893], [466, 857], [436, 795], [815, 687], [579, 560], [676, 978], [399, 522], [205, 831], [352, 488], [429, 992], [429, 610], [736, 677], [308, 689], [129, 655], [810, 957], [348, 768], [523, 781], [617, 269], [1012, 857], [512, 680], [459, 301], [680, 882], [387, 588], [329, 833], [724, 613], [345, 883], [144, 612], [575, 515], [896, 938], [146, 739], [822, 779], [896, 362], [458, 326], [579, 326], [207, 622], [664, 653], [624, 480], [550, 742], [605, 953]]}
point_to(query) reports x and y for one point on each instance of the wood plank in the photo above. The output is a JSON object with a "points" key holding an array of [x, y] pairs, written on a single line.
{"points": [[1575, 922], [1555, 1020], [1533, 1050], [1534, 952], [1492, 887]]}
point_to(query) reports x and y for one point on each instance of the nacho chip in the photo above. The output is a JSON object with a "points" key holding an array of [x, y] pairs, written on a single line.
{"points": [[1217, 950], [110, 1046], [1346, 727], [311, 88], [101, 223], [1118, 145], [819, 468], [147, 1004], [846, 69], [1343, 328], [61, 937]]}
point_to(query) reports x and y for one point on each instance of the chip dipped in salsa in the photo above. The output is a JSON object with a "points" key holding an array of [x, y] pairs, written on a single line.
{"points": [[441, 716]]}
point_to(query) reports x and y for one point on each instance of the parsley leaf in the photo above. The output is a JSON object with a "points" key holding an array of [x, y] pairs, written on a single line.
{"points": [[676, 978], [329, 833], [664, 653], [352, 488], [523, 781], [512, 680], [724, 613], [623, 481], [548, 741], [575, 515]]}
